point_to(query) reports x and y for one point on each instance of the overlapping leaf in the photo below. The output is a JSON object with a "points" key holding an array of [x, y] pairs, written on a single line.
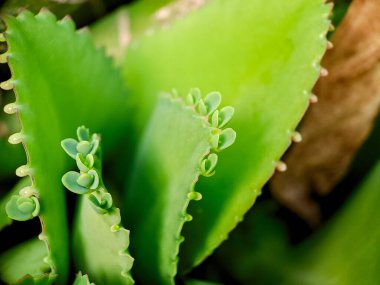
{"points": [[263, 56], [100, 241], [60, 81], [179, 145]]}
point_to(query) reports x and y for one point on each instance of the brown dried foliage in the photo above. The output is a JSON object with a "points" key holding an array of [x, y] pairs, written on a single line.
{"points": [[334, 129]]}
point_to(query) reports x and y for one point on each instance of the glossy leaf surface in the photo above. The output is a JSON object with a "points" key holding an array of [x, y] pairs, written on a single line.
{"points": [[100, 241], [100, 245], [60, 81], [24, 264], [174, 152], [263, 56]]}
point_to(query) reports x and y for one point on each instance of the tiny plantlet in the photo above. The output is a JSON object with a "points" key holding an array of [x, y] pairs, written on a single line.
{"points": [[150, 134]]}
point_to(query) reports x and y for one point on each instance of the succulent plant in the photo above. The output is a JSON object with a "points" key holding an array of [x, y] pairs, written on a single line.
{"points": [[193, 104]]}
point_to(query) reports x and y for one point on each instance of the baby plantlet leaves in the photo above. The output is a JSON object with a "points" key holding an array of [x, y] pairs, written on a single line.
{"points": [[212, 102], [83, 134], [54, 73], [70, 180], [100, 242], [84, 163], [101, 201], [208, 165], [222, 117], [4, 218], [266, 76], [174, 152], [70, 147], [22, 208]]}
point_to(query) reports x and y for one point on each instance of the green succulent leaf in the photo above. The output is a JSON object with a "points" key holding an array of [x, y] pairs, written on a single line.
{"points": [[22, 208], [82, 280], [266, 75], [70, 147], [4, 218], [55, 70], [100, 242], [25, 264], [220, 119], [84, 163], [83, 133], [70, 181], [101, 201], [174, 152]]}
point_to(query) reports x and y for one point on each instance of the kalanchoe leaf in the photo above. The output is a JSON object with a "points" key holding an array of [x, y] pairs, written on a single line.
{"points": [[69, 180], [70, 147], [96, 180], [226, 139], [212, 101], [201, 108], [97, 219], [85, 180], [225, 115], [208, 165], [84, 147], [214, 140], [84, 163], [268, 84], [37, 207], [83, 133], [22, 208], [101, 201], [174, 128], [215, 119], [46, 110], [95, 143], [194, 96], [24, 264], [82, 280]]}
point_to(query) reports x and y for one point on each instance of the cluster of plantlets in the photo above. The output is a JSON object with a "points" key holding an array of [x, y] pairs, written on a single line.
{"points": [[135, 78]]}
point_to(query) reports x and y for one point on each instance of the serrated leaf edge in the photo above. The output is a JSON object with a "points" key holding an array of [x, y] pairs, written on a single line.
{"points": [[195, 103]]}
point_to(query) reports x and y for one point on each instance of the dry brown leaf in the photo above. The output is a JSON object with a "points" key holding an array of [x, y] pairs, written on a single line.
{"points": [[334, 129]]}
